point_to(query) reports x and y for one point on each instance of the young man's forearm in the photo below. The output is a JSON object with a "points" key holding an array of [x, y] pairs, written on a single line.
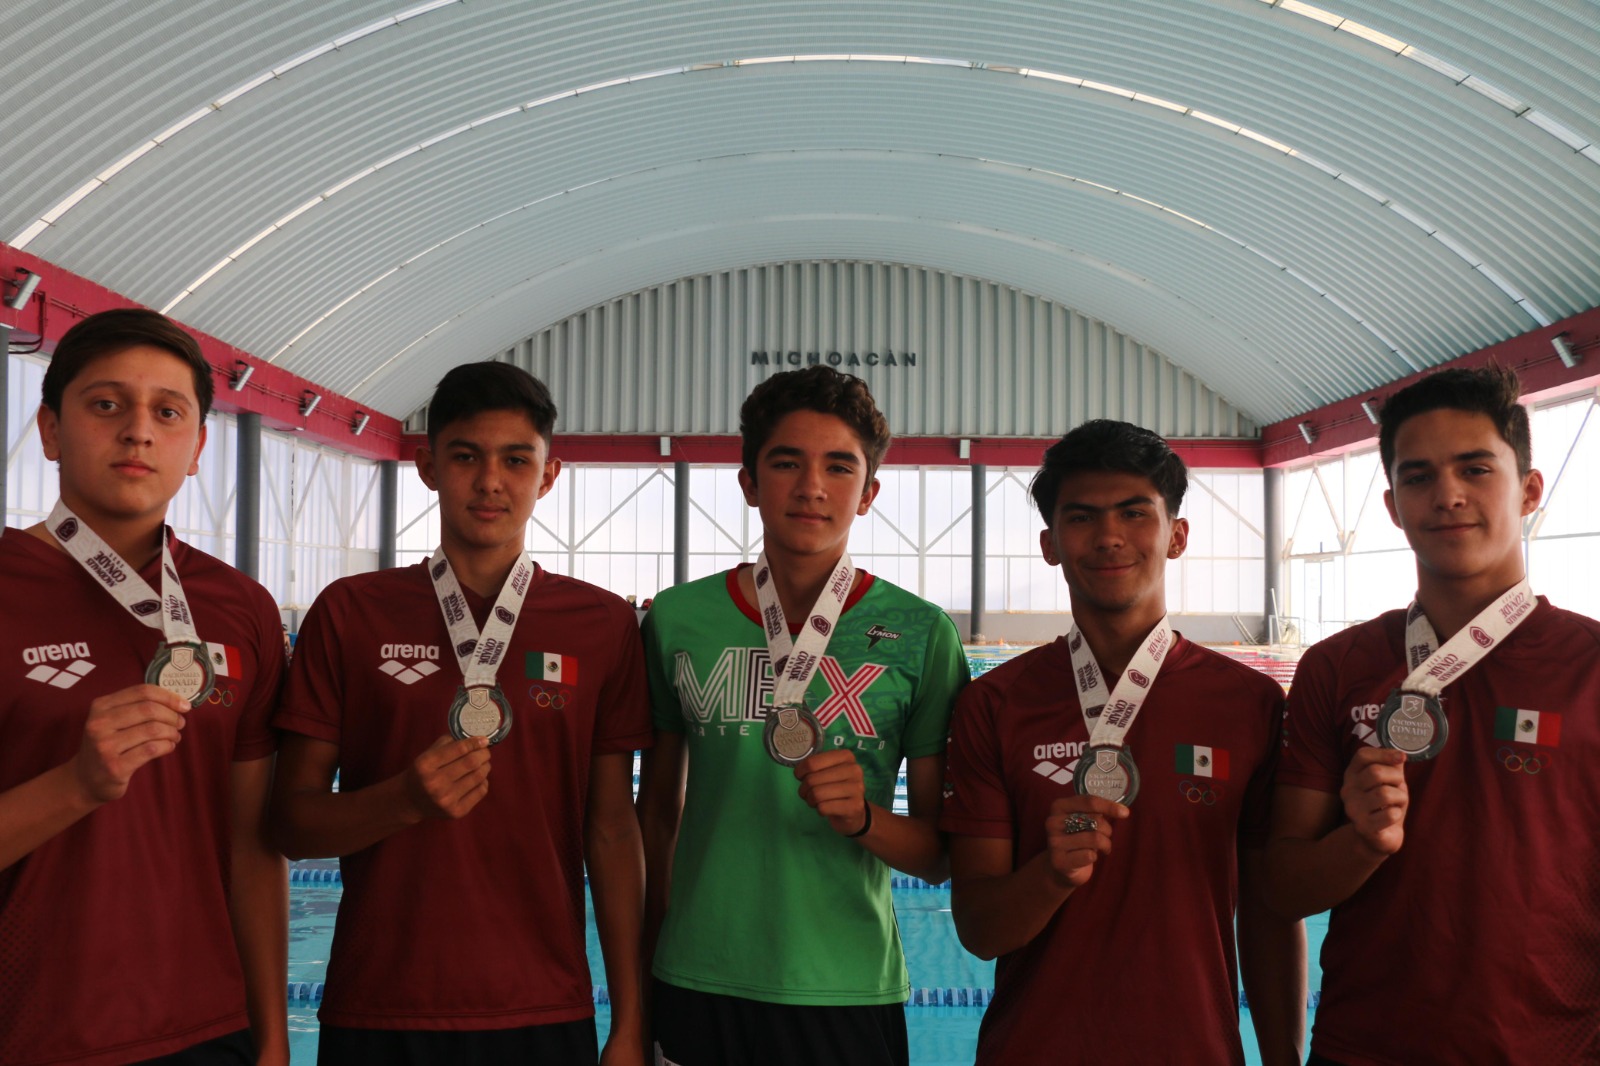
{"points": [[614, 854], [38, 810], [1272, 966], [908, 844], [258, 908], [1305, 877], [317, 824], [998, 914]]}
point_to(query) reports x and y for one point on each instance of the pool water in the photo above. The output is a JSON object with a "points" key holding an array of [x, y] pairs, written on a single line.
{"points": [[941, 969], [939, 1035]]}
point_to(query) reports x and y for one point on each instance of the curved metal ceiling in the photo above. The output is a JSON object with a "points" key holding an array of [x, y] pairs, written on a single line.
{"points": [[1292, 202]]}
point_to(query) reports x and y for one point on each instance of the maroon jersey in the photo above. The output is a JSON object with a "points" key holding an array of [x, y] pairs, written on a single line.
{"points": [[476, 923], [115, 943], [1138, 964], [1479, 941]]}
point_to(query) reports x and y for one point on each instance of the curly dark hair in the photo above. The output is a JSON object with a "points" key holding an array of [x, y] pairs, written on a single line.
{"points": [[110, 332], [1490, 390], [816, 388], [1121, 447]]}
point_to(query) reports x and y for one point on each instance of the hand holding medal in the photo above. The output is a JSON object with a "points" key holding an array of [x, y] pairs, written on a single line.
{"points": [[1077, 832], [1375, 798]]}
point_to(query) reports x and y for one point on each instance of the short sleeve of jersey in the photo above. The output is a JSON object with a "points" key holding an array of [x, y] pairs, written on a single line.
{"points": [[1255, 814], [622, 711], [256, 738], [666, 713], [314, 696], [1311, 756], [944, 674], [975, 799]]}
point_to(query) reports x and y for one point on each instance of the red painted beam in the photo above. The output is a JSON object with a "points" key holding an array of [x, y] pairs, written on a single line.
{"points": [[1342, 426], [64, 298], [637, 450]]}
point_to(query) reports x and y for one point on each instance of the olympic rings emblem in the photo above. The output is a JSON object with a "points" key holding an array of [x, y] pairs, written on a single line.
{"points": [[545, 699], [1195, 794], [1516, 762], [222, 696]]}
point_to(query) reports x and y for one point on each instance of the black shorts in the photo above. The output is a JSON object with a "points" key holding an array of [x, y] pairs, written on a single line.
{"points": [[705, 1029], [235, 1049], [558, 1044]]}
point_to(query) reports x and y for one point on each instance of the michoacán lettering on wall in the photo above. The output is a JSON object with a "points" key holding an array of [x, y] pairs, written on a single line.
{"points": [[844, 359]]}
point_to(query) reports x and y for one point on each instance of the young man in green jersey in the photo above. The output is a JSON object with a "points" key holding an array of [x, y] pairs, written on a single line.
{"points": [[785, 695]]}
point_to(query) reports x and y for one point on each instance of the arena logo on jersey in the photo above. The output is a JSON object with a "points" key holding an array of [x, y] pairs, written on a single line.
{"points": [[1059, 773], [74, 654], [1363, 715], [736, 694], [409, 663]]}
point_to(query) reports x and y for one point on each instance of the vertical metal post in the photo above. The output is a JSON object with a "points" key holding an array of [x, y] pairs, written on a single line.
{"points": [[680, 522], [980, 561], [388, 512], [247, 497], [5, 421], [1272, 547]]}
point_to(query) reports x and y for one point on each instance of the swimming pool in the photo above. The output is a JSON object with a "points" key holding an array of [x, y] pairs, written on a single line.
{"points": [[949, 986], [941, 971]]}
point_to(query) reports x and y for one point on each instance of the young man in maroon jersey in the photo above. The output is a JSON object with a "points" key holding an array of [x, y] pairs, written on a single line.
{"points": [[143, 916], [1118, 943], [460, 936], [1439, 794]]}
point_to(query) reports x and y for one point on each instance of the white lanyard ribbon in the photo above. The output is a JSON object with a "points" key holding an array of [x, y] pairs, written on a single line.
{"points": [[1109, 716], [1433, 667], [168, 611], [795, 660], [479, 653]]}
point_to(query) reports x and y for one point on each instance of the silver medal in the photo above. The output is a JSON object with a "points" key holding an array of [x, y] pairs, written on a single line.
{"points": [[480, 711], [1108, 772], [792, 734], [182, 668], [1413, 723]]}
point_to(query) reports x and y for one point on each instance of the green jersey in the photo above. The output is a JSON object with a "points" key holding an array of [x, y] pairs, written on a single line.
{"points": [[767, 901]]}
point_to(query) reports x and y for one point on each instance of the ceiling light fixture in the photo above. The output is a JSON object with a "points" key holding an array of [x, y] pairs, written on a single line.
{"points": [[25, 281], [308, 402], [362, 418], [241, 375], [1569, 358], [1370, 409], [1308, 433]]}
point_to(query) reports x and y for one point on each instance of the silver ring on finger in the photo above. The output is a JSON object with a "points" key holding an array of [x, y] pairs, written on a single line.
{"points": [[1080, 823]]}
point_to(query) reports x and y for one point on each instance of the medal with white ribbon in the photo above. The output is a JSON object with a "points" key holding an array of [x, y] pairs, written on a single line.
{"points": [[480, 708], [1413, 718], [181, 664], [792, 733], [1106, 767]]}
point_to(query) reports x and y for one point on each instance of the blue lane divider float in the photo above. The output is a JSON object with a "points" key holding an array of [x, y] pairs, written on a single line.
{"points": [[320, 876], [311, 992]]}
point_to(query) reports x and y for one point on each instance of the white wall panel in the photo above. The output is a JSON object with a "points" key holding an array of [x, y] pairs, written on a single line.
{"points": [[953, 355]]}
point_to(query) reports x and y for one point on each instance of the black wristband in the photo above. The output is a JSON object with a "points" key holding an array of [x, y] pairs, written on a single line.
{"points": [[866, 825]]}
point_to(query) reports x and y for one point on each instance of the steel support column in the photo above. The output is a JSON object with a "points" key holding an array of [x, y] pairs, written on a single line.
{"points": [[1272, 547], [247, 497], [680, 523], [388, 511], [980, 559]]}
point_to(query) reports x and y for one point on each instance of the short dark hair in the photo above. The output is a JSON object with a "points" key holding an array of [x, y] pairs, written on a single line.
{"points": [[473, 388], [110, 332], [1490, 390], [1119, 447], [816, 388]]}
